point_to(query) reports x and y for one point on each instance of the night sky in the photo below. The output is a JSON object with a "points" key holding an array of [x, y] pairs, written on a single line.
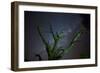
{"points": [[68, 23]]}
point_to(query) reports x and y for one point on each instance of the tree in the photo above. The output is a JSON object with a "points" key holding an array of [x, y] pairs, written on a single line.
{"points": [[55, 53]]}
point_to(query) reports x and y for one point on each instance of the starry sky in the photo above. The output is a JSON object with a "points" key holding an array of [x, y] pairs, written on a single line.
{"points": [[68, 23]]}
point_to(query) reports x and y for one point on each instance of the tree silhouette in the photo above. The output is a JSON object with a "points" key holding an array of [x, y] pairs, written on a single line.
{"points": [[54, 52]]}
